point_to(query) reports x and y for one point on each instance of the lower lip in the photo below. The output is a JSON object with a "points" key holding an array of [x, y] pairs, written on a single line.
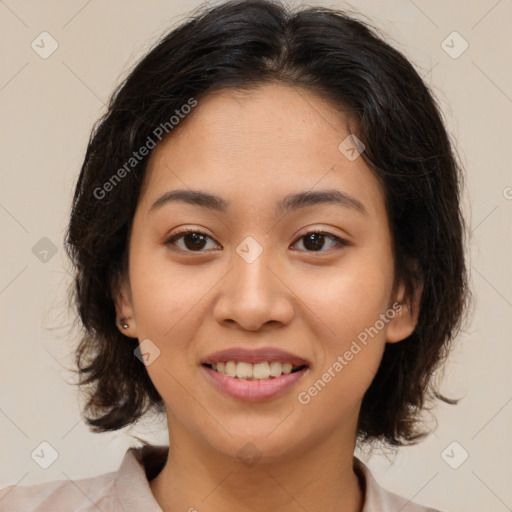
{"points": [[254, 390]]}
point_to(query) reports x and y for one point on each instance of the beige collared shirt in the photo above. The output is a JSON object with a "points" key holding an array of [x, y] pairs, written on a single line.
{"points": [[127, 490]]}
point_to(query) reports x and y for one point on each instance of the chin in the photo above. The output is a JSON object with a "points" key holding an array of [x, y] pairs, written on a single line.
{"points": [[259, 445]]}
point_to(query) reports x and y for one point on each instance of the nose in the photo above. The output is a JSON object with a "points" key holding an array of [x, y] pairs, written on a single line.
{"points": [[254, 295]]}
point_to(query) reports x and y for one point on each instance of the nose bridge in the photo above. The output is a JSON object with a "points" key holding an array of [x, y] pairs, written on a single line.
{"points": [[251, 272], [253, 294]]}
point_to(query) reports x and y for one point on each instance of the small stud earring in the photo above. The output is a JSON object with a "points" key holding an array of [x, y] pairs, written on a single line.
{"points": [[124, 323]]}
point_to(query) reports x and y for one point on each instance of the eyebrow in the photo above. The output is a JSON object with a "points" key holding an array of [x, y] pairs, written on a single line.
{"points": [[286, 204]]}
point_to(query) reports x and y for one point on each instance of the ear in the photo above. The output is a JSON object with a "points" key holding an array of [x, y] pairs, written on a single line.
{"points": [[407, 310], [122, 297]]}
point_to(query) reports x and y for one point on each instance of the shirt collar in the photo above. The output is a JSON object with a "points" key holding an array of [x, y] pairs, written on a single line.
{"points": [[142, 464], [139, 466]]}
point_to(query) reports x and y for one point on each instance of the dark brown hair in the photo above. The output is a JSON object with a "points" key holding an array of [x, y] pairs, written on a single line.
{"points": [[240, 45]]}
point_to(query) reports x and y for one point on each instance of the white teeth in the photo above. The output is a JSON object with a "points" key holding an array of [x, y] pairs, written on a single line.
{"points": [[258, 371], [287, 368], [230, 369], [276, 368], [244, 370], [261, 371]]}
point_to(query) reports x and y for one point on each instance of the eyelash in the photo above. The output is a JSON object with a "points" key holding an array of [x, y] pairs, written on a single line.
{"points": [[180, 234]]}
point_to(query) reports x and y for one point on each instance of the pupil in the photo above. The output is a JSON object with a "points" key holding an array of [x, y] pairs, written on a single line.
{"points": [[196, 238], [316, 240]]}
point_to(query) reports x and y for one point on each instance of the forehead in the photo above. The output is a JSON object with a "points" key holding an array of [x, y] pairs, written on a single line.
{"points": [[260, 145]]}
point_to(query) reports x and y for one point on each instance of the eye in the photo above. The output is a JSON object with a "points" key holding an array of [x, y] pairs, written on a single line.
{"points": [[194, 241], [315, 240]]}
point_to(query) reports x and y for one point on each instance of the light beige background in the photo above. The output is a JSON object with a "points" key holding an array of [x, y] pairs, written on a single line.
{"points": [[48, 107]]}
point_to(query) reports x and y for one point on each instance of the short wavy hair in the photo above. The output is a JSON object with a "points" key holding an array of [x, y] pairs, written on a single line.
{"points": [[241, 45]]}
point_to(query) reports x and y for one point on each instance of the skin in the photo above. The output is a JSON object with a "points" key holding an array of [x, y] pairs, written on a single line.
{"points": [[252, 149]]}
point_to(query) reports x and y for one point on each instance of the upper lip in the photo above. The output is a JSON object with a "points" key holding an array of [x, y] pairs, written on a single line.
{"points": [[256, 355]]}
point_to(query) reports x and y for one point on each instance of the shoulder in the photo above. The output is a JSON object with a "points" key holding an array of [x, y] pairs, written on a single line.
{"points": [[86, 495], [378, 499], [126, 489]]}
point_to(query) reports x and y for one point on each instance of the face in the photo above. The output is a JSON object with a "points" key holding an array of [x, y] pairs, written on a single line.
{"points": [[259, 282]]}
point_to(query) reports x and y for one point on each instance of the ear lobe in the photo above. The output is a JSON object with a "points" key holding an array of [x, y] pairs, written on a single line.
{"points": [[406, 317], [125, 317]]}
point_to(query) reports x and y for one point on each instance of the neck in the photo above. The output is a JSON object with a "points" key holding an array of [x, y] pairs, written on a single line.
{"points": [[319, 478]]}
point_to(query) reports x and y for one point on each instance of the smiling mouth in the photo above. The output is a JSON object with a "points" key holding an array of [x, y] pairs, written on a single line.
{"points": [[264, 370]]}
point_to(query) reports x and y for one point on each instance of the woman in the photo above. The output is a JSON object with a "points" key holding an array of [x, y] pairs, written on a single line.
{"points": [[263, 231]]}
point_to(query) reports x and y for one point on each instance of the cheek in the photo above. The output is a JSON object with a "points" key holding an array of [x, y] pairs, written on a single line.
{"points": [[169, 301], [164, 295], [166, 308], [349, 298], [165, 305], [352, 343], [348, 303]]}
